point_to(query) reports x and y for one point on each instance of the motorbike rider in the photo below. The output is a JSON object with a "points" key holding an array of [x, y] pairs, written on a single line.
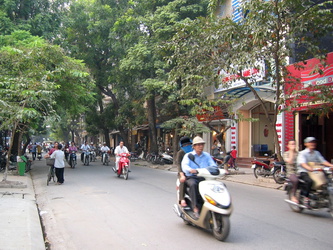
{"points": [[92, 149], [85, 148], [104, 149], [39, 149], [72, 149], [185, 144], [119, 150], [290, 157], [189, 167], [309, 154]]}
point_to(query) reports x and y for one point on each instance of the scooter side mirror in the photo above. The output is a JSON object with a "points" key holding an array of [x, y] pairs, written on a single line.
{"points": [[191, 157]]}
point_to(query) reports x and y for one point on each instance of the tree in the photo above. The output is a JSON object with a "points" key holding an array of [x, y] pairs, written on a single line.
{"points": [[145, 60], [40, 18], [267, 35], [35, 76]]}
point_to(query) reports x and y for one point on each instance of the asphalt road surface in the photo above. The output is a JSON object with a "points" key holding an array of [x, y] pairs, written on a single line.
{"points": [[94, 209]]}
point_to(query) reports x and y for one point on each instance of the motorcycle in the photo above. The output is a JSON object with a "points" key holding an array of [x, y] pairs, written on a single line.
{"points": [[86, 158], [134, 156], [72, 159], [279, 172], [321, 194], [216, 208], [105, 158], [92, 155], [166, 158], [270, 167], [39, 156], [123, 166]]}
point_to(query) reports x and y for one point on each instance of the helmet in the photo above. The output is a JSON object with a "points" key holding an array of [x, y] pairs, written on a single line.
{"points": [[309, 139], [184, 140], [198, 140], [185, 144]]}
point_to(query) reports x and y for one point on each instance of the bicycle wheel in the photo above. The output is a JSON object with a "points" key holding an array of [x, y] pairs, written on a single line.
{"points": [[125, 172], [53, 174], [107, 161]]}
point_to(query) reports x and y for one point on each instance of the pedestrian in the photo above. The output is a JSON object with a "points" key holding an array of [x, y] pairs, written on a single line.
{"points": [[290, 158], [53, 148], [215, 149], [59, 164], [34, 151], [233, 155]]}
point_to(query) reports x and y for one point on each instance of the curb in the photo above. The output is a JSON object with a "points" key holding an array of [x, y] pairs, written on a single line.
{"points": [[243, 176]]}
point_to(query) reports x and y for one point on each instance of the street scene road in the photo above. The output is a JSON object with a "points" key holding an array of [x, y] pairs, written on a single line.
{"points": [[94, 209]]}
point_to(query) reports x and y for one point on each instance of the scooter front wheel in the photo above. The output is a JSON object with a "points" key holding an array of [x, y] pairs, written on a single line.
{"points": [[222, 227], [125, 172]]}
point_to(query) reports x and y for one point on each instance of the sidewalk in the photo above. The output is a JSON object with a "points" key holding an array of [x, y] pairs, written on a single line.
{"points": [[243, 175], [20, 226]]}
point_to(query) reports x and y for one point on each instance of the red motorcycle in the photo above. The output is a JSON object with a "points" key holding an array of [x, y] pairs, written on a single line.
{"points": [[270, 167], [123, 165]]}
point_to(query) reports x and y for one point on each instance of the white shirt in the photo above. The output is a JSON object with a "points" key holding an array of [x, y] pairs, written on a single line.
{"points": [[85, 147], [59, 156], [105, 149], [120, 150]]}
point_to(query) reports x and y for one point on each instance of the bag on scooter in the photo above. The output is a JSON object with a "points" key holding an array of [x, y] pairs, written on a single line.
{"points": [[318, 177]]}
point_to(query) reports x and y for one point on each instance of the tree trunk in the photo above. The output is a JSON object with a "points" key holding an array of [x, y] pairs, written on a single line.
{"points": [[106, 132], [151, 110], [5, 175]]}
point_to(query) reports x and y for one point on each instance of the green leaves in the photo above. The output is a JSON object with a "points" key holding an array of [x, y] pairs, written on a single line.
{"points": [[35, 77]]}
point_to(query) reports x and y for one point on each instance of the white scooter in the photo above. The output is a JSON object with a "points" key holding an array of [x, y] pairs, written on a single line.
{"points": [[216, 208]]}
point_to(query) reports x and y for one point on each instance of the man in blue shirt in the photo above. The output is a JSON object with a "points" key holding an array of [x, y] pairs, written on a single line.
{"points": [[309, 154], [201, 160]]}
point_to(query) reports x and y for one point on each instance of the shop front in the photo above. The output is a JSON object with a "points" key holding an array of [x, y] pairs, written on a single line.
{"points": [[303, 120]]}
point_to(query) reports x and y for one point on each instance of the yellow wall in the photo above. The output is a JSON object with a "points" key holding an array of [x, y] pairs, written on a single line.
{"points": [[244, 136]]}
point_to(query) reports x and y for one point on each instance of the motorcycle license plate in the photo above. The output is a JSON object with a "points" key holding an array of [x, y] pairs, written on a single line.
{"points": [[253, 165]]}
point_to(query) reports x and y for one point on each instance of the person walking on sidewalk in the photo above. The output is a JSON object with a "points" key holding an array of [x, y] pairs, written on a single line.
{"points": [[290, 157], [59, 164]]}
